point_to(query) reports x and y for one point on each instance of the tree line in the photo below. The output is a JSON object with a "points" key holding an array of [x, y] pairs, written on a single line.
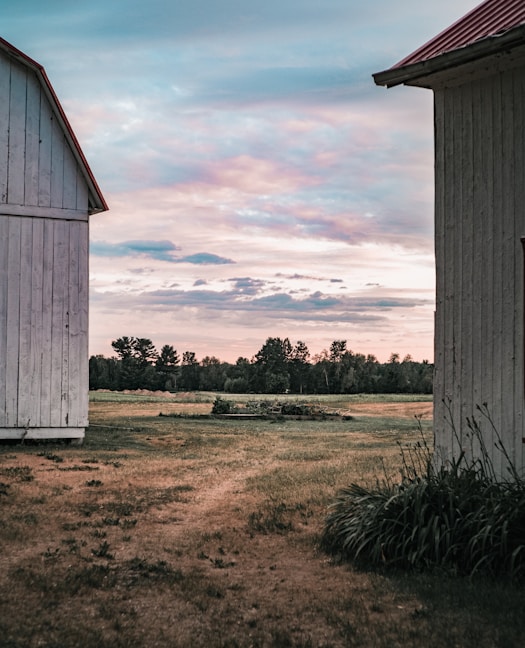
{"points": [[277, 368]]}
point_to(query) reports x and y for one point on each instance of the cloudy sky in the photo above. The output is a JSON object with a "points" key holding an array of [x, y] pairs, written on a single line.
{"points": [[259, 183]]}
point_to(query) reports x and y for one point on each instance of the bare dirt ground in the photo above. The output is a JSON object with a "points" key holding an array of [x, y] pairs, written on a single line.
{"points": [[173, 532]]}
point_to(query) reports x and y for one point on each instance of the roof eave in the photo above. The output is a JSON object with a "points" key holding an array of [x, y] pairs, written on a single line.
{"points": [[411, 74]]}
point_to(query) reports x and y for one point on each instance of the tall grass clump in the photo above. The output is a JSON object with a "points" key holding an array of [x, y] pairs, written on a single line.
{"points": [[459, 516]]}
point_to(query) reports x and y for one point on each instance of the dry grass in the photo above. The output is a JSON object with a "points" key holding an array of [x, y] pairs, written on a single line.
{"points": [[165, 531]]}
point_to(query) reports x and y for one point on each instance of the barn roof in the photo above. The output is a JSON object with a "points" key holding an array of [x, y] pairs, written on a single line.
{"points": [[96, 199], [489, 27]]}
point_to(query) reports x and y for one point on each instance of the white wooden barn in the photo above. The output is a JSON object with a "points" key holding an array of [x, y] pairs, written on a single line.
{"points": [[47, 194], [476, 69]]}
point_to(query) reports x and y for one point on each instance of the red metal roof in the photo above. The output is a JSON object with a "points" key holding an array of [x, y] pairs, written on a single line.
{"points": [[490, 18], [99, 201]]}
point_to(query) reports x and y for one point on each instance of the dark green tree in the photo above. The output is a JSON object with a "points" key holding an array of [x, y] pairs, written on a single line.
{"points": [[370, 376], [104, 373], [321, 372], [144, 351], [337, 350], [136, 357], [276, 368], [129, 374], [394, 379], [299, 368], [167, 368], [124, 347], [212, 374], [189, 371], [239, 377], [340, 366], [272, 366]]}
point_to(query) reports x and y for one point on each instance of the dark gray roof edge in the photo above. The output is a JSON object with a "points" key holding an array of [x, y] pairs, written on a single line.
{"points": [[477, 50]]}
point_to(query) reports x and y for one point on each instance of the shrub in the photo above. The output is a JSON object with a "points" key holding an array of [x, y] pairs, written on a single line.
{"points": [[457, 517], [221, 406]]}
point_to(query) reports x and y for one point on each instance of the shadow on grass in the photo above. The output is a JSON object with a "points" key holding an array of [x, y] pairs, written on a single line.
{"points": [[465, 611]]}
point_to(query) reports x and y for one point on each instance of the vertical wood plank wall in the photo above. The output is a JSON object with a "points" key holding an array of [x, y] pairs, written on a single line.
{"points": [[43, 329], [43, 264], [480, 219], [37, 167]]}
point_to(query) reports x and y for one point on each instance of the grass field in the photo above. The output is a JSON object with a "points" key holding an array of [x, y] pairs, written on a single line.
{"points": [[183, 530]]}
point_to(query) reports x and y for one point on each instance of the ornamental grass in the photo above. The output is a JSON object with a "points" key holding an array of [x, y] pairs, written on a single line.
{"points": [[458, 517]]}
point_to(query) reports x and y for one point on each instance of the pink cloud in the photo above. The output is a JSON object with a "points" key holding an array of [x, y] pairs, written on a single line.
{"points": [[304, 125], [257, 176]]}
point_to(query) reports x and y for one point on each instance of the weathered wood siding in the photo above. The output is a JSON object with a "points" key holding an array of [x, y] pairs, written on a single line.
{"points": [[480, 219], [43, 323], [44, 203], [37, 166]]}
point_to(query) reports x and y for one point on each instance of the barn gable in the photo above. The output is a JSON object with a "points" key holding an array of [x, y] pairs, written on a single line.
{"points": [[41, 163], [476, 69], [47, 193]]}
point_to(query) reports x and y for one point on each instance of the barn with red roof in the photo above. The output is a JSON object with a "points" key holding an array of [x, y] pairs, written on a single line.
{"points": [[476, 70], [47, 195]]}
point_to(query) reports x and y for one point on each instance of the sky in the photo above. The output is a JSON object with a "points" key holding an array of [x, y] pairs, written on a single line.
{"points": [[259, 183]]}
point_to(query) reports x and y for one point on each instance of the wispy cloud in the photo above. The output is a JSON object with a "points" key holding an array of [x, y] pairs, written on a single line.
{"points": [[204, 258], [316, 306], [158, 250]]}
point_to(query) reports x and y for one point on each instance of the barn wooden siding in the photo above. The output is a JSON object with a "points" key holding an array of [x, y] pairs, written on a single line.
{"points": [[44, 239], [37, 166], [43, 326], [480, 219]]}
